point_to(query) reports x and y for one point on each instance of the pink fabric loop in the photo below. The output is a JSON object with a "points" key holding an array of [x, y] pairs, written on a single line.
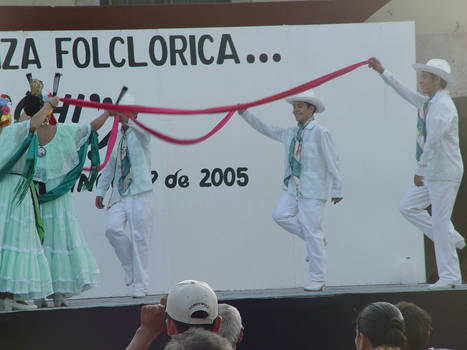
{"points": [[170, 139], [125, 109], [110, 144]]}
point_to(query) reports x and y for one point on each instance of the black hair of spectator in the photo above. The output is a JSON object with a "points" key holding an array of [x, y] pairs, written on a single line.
{"points": [[183, 327], [383, 324], [417, 325]]}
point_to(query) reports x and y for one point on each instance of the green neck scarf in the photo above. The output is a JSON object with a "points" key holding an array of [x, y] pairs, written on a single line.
{"points": [[294, 152]]}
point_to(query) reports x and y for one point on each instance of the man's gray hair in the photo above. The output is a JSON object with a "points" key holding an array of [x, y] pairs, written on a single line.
{"points": [[231, 325], [197, 339]]}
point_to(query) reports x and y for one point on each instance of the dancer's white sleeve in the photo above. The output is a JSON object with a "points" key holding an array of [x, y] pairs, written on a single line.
{"points": [[274, 132]]}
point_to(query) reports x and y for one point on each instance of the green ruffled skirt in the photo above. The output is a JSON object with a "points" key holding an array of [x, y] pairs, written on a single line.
{"points": [[72, 265], [24, 270]]}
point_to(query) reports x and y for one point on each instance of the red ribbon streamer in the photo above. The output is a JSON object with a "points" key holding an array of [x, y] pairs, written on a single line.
{"points": [[159, 110], [170, 139], [110, 145], [230, 109]]}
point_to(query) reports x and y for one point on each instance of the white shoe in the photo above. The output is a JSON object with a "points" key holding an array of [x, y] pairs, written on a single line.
{"points": [[139, 294], [128, 275], [10, 304], [441, 284], [315, 286], [59, 300]]}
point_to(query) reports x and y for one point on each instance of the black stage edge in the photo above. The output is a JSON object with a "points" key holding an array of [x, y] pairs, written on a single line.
{"points": [[273, 319]]}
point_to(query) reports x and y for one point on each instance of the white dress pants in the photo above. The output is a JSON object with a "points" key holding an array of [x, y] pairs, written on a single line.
{"points": [[438, 227], [303, 217], [133, 251]]}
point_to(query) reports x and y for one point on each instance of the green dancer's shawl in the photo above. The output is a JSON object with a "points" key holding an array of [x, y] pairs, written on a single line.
{"points": [[30, 144], [25, 184], [74, 174]]}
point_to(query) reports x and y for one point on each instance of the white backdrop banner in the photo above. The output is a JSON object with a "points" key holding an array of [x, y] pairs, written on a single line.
{"points": [[213, 201]]}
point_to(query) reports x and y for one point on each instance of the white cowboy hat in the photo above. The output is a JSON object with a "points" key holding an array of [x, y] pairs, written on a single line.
{"points": [[438, 67], [308, 97]]}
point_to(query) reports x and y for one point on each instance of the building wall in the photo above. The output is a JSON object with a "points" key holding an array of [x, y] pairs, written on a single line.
{"points": [[49, 3], [441, 31]]}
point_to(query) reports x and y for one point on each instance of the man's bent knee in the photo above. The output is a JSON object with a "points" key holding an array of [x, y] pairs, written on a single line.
{"points": [[111, 232], [404, 209], [278, 217]]}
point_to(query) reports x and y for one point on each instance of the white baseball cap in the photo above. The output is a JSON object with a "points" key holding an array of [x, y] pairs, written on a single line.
{"points": [[188, 297]]}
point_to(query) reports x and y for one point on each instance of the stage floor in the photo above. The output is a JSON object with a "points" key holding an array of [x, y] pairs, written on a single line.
{"points": [[229, 295]]}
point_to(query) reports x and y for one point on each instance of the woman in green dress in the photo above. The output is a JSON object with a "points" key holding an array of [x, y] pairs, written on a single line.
{"points": [[72, 265], [24, 271]]}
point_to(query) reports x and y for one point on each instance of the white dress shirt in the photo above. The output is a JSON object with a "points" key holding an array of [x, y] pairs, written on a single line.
{"points": [[441, 159], [319, 162], [140, 159]]}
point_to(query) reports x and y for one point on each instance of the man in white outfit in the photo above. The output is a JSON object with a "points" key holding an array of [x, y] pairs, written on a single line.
{"points": [[439, 164], [311, 172], [129, 172]]}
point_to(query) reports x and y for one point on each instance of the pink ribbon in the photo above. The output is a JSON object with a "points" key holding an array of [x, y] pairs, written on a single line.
{"points": [[170, 139], [230, 109], [110, 145]]}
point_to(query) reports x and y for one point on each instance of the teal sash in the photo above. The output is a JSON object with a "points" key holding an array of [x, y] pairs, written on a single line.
{"points": [[25, 184], [24, 146], [30, 144], [37, 213]]}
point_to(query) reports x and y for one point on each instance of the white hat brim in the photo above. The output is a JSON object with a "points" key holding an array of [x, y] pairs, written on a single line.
{"points": [[436, 71], [311, 100]]}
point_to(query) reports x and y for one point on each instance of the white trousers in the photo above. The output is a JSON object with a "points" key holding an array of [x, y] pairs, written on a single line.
{"points": [[438, 227], [133, 251], [303, 217]]}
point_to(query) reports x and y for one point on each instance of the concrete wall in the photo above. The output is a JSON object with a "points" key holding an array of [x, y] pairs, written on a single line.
{"points": [[441, 31]]}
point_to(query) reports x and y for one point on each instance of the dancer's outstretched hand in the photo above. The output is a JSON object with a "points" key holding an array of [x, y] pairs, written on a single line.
{"points": [[376, 65]]}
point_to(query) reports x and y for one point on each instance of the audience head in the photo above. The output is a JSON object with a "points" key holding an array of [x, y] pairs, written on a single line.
{"points": [[380, 324], [417, 325], [192, 304], [231, 326], [198, 339]]}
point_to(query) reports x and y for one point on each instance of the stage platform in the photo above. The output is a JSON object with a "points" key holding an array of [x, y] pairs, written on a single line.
{"points": [[288, 318]]}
